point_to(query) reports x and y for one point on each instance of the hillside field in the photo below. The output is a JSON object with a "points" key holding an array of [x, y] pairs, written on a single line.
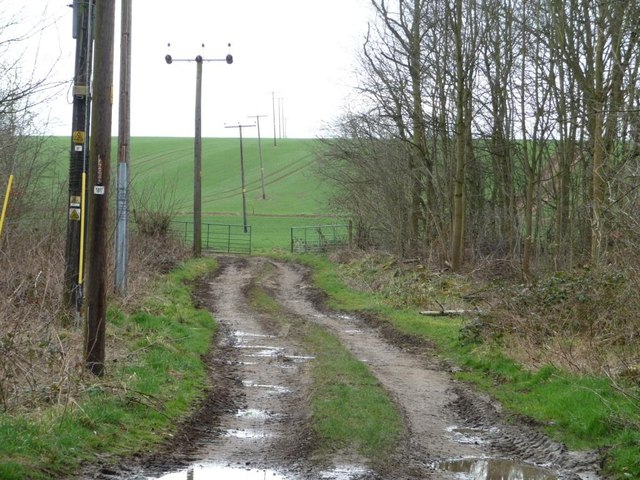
{"points": [[162, 168]]}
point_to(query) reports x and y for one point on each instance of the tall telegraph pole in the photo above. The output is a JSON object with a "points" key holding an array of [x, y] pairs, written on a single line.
{"points": [[100, 160], [197, 163], [280, 114], [83, 11], [124, 134], [273, 108], [244, 188], [258, 117]]}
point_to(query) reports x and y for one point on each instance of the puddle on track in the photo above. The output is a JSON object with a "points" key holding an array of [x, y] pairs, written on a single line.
{"points": [[207, 472], [494, 469], [263, 354], [254, 413], [250, 434], [262, 350], [241, 334], [275, 388], [343, 473], [301, 358]]}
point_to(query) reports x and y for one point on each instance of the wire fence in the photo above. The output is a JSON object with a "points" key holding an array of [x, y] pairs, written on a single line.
{"points": [[320, 238]]}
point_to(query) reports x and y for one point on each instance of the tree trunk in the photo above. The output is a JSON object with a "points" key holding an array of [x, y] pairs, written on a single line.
{"points": [[457, 247]]}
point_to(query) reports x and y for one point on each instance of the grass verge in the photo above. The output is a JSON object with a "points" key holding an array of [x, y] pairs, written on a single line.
{"points": [[584, 412], [351, 412], [154, 382]]}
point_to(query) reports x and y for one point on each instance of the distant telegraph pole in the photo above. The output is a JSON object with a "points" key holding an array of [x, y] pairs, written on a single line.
{"points": [[124, 133], [100, 160], [197, 164], [244, 189], [82, 32], [280, 114], [273, 108], [258, 117]]}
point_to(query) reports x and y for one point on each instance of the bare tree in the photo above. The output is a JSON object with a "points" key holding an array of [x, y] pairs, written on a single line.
{"points": [[511, 125]]}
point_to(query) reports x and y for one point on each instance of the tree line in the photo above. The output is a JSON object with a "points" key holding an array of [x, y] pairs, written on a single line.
{"points": [[494, 128]]}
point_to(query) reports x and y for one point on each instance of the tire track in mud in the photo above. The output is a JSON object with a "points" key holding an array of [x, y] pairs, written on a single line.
{"points": [[268, 427], [434, 406], [256, 412]]}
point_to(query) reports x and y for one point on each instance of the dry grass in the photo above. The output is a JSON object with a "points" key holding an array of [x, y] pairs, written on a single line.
{"points": [[41, 341], [37, 355], [585, 321]]}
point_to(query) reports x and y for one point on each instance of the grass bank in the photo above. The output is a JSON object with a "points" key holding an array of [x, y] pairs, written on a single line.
{"points": [[154, 375], [587, 412], [350, 410]]}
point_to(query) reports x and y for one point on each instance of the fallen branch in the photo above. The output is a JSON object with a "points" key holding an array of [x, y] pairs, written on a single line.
{"points": [[447, 313]]}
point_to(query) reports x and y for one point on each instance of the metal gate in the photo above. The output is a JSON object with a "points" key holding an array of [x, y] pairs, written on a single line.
{"points": [[217, 237], [320, 238]]}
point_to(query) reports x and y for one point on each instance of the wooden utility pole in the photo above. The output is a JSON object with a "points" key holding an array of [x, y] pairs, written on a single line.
{"points": [[273, 108], [124, 134], [197, 163], [82, 32], [100, 160], [244, 188], [258, 117], [280, 116]]}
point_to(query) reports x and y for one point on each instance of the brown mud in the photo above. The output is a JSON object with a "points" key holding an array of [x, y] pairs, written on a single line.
{"points": [[253, 422]]}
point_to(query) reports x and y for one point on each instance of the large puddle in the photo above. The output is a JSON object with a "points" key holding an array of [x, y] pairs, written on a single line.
{"points": [[494, 469], [227, 472], [208, 472]]}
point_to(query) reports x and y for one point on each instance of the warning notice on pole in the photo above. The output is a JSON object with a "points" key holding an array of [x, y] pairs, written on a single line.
{"points": [[74, 214], [78, 136]]}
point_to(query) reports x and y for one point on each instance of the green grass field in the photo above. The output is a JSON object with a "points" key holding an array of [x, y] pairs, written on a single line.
{"points": [[290, 185], [161, 170]]}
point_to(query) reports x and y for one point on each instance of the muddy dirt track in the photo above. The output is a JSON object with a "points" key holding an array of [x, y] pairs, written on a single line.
{"points": [[254, 422]]}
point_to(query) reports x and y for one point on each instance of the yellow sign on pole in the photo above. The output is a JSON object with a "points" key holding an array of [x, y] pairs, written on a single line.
{"points": [[78, 137]]}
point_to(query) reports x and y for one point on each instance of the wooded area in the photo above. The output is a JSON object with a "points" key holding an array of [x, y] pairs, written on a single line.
{"points": [[495, 128]]}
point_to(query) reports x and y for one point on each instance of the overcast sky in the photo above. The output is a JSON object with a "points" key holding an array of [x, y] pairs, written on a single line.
{"points": [[303, 50]]}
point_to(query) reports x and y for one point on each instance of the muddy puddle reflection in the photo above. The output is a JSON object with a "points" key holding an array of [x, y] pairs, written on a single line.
{"points": [[494, 469], [207, 472]]}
